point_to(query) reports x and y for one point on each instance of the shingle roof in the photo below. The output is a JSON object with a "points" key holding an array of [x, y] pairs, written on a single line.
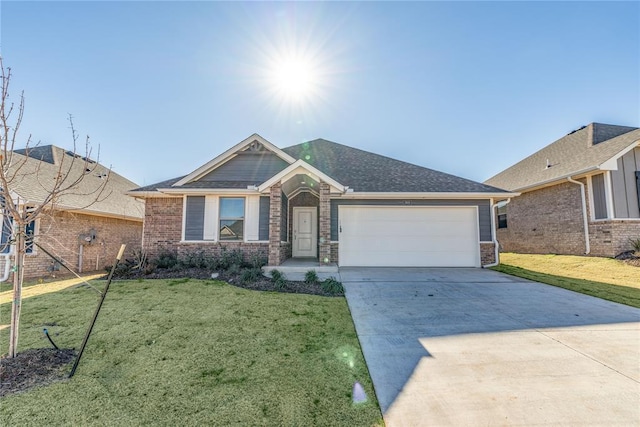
{"points": [[36, 174], [580, 151], [368, 172], [360, 170]]}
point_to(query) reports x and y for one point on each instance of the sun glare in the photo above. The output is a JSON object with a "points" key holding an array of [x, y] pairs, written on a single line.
{"points": [[293, 79]]}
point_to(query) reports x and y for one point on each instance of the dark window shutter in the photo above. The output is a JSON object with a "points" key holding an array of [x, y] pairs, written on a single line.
{"points": [[638, 186], [194, 221]]}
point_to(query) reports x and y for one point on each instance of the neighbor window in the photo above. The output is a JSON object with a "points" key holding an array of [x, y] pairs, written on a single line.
{"points": [[7, 234], [231, 218], [502, 217]]}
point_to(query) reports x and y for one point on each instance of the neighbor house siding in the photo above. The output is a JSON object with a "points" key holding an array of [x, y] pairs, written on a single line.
{"points": [[484, 211], [254, 167], [548, 220], [625, 186]]}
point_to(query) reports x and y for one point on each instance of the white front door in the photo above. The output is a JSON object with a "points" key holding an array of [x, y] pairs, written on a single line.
{"points": [[305, 232]]}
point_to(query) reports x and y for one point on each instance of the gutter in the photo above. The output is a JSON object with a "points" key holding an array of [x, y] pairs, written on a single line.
{"points": [[585, 218], [496, 244], [7, 264]]}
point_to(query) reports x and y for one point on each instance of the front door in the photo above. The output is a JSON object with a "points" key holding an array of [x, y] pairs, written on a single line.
{"points": [[305, 232]]}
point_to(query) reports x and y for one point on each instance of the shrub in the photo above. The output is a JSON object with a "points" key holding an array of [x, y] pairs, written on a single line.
{"points": [[257, 261], [194, 259], [230, 257], [277, 274], [311, 277], [233, 269], [250, 275], [280, 283], [166, 259], [635, 244], [332, 286]]}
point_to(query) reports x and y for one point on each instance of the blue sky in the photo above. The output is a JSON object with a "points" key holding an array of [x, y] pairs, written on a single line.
{"points": [[467, 88]]}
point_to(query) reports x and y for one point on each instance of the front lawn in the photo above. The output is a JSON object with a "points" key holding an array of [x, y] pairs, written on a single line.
{"points": [[604, 278], [192, 352]]}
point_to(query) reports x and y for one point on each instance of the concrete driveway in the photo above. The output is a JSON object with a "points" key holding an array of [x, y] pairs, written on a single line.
{"points": [[476, 347]]}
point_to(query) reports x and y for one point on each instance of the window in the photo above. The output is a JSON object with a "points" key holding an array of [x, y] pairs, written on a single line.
{"points": [[502, 217], [30, 232], [7, 234], [231, 218]]}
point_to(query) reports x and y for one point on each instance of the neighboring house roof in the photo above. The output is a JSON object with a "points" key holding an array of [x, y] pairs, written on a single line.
{"points": [[36, 174], [590, 148], [359, 170]]}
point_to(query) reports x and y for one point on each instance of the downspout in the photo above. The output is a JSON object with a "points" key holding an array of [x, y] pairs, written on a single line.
{"points": [[7, 265], [496, 244], [585, 218]]}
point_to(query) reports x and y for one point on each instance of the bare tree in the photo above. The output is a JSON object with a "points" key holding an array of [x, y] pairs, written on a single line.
{"points": [[51, 191]]}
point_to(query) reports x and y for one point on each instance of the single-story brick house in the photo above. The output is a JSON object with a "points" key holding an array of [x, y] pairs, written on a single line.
{"points": [[84, 233], [579, 195], [322, 200]]}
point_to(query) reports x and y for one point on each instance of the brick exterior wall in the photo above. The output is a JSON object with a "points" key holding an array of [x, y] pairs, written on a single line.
{"points": [[487, 253], [59, 234], [610, 238], [550, 220], [335, 259], [275, 224], [162, 224], [324, 235]]}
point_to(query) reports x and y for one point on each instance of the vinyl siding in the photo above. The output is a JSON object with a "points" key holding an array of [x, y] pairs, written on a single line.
{"points": [[194, 219], [484, 211], [625, 186], [248, 166]]}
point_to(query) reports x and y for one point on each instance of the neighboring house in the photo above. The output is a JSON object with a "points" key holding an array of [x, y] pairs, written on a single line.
{"points": [[324, 201], [84, 233], [579, 195]]}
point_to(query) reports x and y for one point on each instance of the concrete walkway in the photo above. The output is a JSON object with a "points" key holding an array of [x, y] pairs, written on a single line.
{"points": [[470, 347]]}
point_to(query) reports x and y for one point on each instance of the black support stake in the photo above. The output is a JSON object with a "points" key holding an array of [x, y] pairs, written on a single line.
{"points": [[95, 316]]}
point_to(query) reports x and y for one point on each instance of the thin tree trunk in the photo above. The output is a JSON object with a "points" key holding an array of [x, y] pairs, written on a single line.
{"points": [[16, 305]]}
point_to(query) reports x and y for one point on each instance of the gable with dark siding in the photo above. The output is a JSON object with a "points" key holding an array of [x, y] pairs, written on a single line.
{"points": [[247, 167]]}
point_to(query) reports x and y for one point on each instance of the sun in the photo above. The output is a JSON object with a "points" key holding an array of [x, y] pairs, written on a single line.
{"points": [[293, 79]]}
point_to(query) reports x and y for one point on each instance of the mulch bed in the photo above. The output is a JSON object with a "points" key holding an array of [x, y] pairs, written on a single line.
{"points": [[630, 258], [34, 367], [263, 283]]}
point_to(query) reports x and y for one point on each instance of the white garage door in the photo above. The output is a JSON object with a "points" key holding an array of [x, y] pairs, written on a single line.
{"points": [[408, 236]]}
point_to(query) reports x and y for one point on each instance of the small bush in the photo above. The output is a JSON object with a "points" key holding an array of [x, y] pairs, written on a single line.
{"points": [[635, 244], [332, 286], [311, 277], [230, 257], [257, 261], [250, 275], [277, 275], [194, 259], [234, 269], [280, 283], [166, 259]]}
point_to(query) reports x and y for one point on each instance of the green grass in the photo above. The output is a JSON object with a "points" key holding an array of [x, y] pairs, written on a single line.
{"points": [[176, 352], [616, 293]]}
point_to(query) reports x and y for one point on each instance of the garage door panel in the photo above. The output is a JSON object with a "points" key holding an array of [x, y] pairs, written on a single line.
{"points": [[409, 236]]}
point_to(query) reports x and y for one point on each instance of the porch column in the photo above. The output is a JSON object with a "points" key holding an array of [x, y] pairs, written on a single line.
{"points": [[325, 224], [275, 223]]}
